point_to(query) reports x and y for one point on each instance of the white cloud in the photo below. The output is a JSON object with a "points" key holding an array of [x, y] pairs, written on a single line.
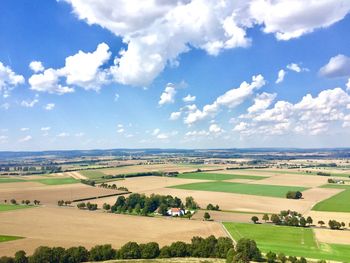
{"points": [[120, 130], [29, 103], [189, 98], [25, 139], [5, 106], [215, 129], [292, 19], [45, 129], [230, 99], [348, 85], [156, 132], [162, 136], [116, 97], [175, 115], [24, 129], [281, 75], [310, 116], [3, 138], [338, 66], [296, 68], [49, 106], [261, 102], [36, 66], [63, 134], [168, 95], [82, 69], [8, 80], [157, 32], [48, 81], [79, 134]]}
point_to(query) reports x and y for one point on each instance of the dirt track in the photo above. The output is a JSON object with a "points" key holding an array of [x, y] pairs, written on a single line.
{"points": [[60, 226]]}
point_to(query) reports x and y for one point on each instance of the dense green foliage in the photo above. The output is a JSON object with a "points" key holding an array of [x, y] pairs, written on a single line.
{"points": [[294, 195]]}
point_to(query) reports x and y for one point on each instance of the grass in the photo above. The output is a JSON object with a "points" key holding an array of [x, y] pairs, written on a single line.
{"points": [[10, 180], [218, 176], [336, 203], [56, 181], [92, 174], [8, 207], [292, 171], [8, 238], [292, 241], [239, 188]]}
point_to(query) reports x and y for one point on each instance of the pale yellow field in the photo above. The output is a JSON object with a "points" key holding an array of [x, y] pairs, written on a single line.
{"points": [[326, 216], [332, 236], [61, 226], [294, 180]]}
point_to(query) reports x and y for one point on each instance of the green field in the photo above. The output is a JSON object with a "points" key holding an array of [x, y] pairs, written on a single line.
{"points": [[92, 174], [10, 180], [218, 176], [336, 203], [8, 238], [239, 188], [56, 181], [292, 171], [171, 260], [292, 241], [8, 207]]}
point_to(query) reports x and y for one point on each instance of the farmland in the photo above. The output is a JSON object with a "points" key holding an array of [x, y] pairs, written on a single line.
{"points": [[336, 203], [217, 176], [8, 238], [239, 188], [289, 240], [7, 207]]}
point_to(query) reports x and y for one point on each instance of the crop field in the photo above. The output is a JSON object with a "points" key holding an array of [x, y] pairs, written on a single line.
{"points": [[336, 203], [9, 180], [8, 238], [61, 226], [8, 207], [56, 181], [217, 176], [249, 189], [92, 174], [289, 240], [171, 260]]}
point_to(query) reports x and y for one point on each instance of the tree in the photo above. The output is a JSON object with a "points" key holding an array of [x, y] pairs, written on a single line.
{"points": [[13, 201], [149, 250], [106, 207], [282, 257], [255, 219], [294, 195], [343, 224], [246, 251], [163, 209], [190, 203], [210, 207], [265, 217], [81, 205], [321, 223], [60, 202], [271, 257], [165, 252], [275, 219], [292, 259], [309, 220], [230, 255], [179, 249], [223, 245], [5, 259], [27, 202], [302, 260], [333, 224], [302, 221], [102, 252], [206, 216], [130, 250], [76, 255], [137, 208], [20, 257]]}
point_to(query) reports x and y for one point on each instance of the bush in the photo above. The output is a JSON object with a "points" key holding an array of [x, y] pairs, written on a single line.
{"points": [[255, 219], [206, 216], [230, 255], [5, 259], [294, 195], [149, 250], [271, 257], [20, 257], [179, 249], [130, 250], [76, 255], [102, 252], [165, 252], [246, 251]]}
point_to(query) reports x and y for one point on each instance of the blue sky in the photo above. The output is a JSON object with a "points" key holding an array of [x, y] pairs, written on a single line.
{"points": [[109, 74]]}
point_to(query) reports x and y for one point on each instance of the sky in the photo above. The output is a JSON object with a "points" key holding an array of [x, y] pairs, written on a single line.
{"points": [[101, 74]]}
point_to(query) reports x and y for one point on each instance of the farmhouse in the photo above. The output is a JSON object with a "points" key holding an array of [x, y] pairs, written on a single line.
{"points": [[174, 211]]}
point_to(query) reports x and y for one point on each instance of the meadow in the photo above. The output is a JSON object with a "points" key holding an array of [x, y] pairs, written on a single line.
{"points": [[8, 238], [56, 181], [239, 188], [292, 241], [8, 207], [218, 176], [336, 203], [9, 180]]}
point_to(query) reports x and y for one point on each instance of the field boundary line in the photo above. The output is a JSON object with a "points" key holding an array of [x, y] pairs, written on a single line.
{"points": [[229, 234]]}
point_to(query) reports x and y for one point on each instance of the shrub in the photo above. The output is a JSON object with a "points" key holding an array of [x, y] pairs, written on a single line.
{"points": [[246, 251], [130, 250], [294, 195], [76, 255], [102, 252], [255, 219], [149, 250]]}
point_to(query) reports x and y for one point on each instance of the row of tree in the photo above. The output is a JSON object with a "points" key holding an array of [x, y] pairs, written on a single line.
{"points": [[24, 202], [89, 206], [209, 247], [113, 186]]}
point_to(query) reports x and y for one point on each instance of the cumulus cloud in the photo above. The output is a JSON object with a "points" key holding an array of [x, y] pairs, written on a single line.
{"points": [[215, 129], [63, 134], [311, 115], [296, 67], [45, 129], [338, 66], [36, 66], [157, 32], [8, 80], [261, 102], [175, 115], [348, 85], [24, 129], [281, 75], [230, 99], [168, 95], [49, 106], [82, 70], [189, 98]]}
